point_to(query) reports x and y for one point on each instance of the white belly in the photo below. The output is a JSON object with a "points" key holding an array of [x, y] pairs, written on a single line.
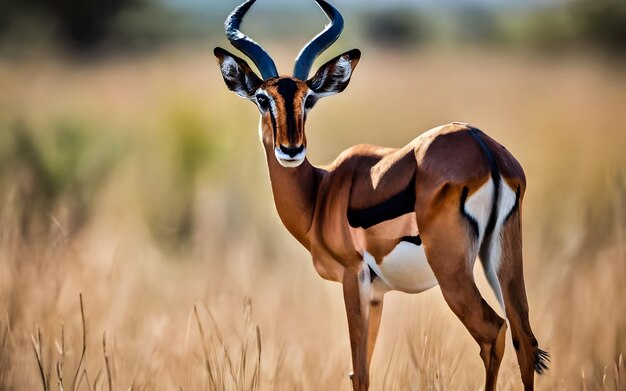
{"points": [[404, 269]]}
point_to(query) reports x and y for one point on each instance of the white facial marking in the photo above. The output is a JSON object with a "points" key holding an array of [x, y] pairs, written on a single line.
{"points": [[273, 108], [304, 109], [263, 93], [288, 161]]}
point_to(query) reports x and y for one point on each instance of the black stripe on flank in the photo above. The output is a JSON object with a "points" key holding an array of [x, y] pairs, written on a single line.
{"points": [[469, 218], [515, 205], [416, 240], [288, 88], [399, 204]]}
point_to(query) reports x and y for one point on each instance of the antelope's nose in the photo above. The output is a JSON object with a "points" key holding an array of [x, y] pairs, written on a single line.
{"points": [[291, 151]]}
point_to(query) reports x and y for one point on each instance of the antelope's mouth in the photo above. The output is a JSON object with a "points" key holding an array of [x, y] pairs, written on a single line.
{"points": [[290, 156]]}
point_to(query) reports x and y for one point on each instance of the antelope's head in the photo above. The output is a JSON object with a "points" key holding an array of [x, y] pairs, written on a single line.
{"points": [[285, 101]]}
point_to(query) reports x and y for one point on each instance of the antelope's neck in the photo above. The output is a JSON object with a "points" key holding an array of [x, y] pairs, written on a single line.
{"points": [[295, 194]]}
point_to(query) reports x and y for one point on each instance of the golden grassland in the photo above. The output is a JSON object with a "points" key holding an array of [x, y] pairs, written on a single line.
{"points": [[140, 184]]}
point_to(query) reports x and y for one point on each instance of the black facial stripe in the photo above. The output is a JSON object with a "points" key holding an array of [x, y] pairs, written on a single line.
{"points": [[399, 204], [287, 88]]}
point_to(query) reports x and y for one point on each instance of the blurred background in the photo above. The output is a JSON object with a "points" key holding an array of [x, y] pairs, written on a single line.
{"points": [[130, 175]]}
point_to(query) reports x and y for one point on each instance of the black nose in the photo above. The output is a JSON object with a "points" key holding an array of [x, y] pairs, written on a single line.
{"points": [[291, 151]]}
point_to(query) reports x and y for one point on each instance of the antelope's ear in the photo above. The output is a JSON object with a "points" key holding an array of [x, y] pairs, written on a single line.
{"points": [[237, 74], [334, 76]]}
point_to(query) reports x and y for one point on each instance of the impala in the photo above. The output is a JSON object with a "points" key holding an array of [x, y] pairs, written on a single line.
{"points": [[380, 219]]}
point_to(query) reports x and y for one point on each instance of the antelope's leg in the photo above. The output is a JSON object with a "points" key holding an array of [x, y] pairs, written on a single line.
{"points": [[375, 315], [511, 277], [356, 299], [378, 289], [451, 251], [485, 326]]}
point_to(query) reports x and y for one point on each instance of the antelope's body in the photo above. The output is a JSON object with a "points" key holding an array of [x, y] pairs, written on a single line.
{"points": [[380, 219], [368, 202]]}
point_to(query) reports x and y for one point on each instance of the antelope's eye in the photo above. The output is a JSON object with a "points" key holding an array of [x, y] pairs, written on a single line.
{"points": [[309, 102], [264, 102]]}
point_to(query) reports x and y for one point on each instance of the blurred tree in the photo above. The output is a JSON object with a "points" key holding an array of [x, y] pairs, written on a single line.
{"points": [[601, 22], [84, 24], [477, 24], [81, 24], [395, 28]]}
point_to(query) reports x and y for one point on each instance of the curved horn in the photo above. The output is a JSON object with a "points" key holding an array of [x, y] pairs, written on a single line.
{"points": [[246, 45], [320, 42]]}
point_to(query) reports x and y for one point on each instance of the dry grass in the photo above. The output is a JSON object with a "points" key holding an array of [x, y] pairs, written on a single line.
{"points": [[188, 281]]}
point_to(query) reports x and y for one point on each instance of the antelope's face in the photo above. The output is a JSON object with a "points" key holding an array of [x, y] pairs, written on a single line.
{"points": [[284, 102]]}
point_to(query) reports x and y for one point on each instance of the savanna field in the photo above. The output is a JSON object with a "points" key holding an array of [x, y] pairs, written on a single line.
{"points": [[139, 182]]}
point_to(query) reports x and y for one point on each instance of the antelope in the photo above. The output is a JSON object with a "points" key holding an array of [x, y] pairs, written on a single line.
{"points": [[379, 219]]}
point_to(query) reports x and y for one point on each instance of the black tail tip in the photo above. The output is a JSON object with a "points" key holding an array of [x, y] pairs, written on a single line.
{"points": [[541, 361]]}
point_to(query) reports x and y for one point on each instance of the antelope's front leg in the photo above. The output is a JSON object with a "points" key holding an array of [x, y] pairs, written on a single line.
{"points": [[356, 295]]}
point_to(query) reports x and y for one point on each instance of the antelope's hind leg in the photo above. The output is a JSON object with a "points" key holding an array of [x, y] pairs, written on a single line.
{"points": [[451, 250], [511, 276]]}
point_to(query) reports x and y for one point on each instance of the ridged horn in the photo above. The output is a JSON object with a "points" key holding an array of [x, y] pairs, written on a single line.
{"points": [[320, 42], [246, 45]]}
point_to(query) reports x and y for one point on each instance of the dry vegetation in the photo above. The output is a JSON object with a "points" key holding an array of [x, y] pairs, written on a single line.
{"points": [[139, 183]]}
